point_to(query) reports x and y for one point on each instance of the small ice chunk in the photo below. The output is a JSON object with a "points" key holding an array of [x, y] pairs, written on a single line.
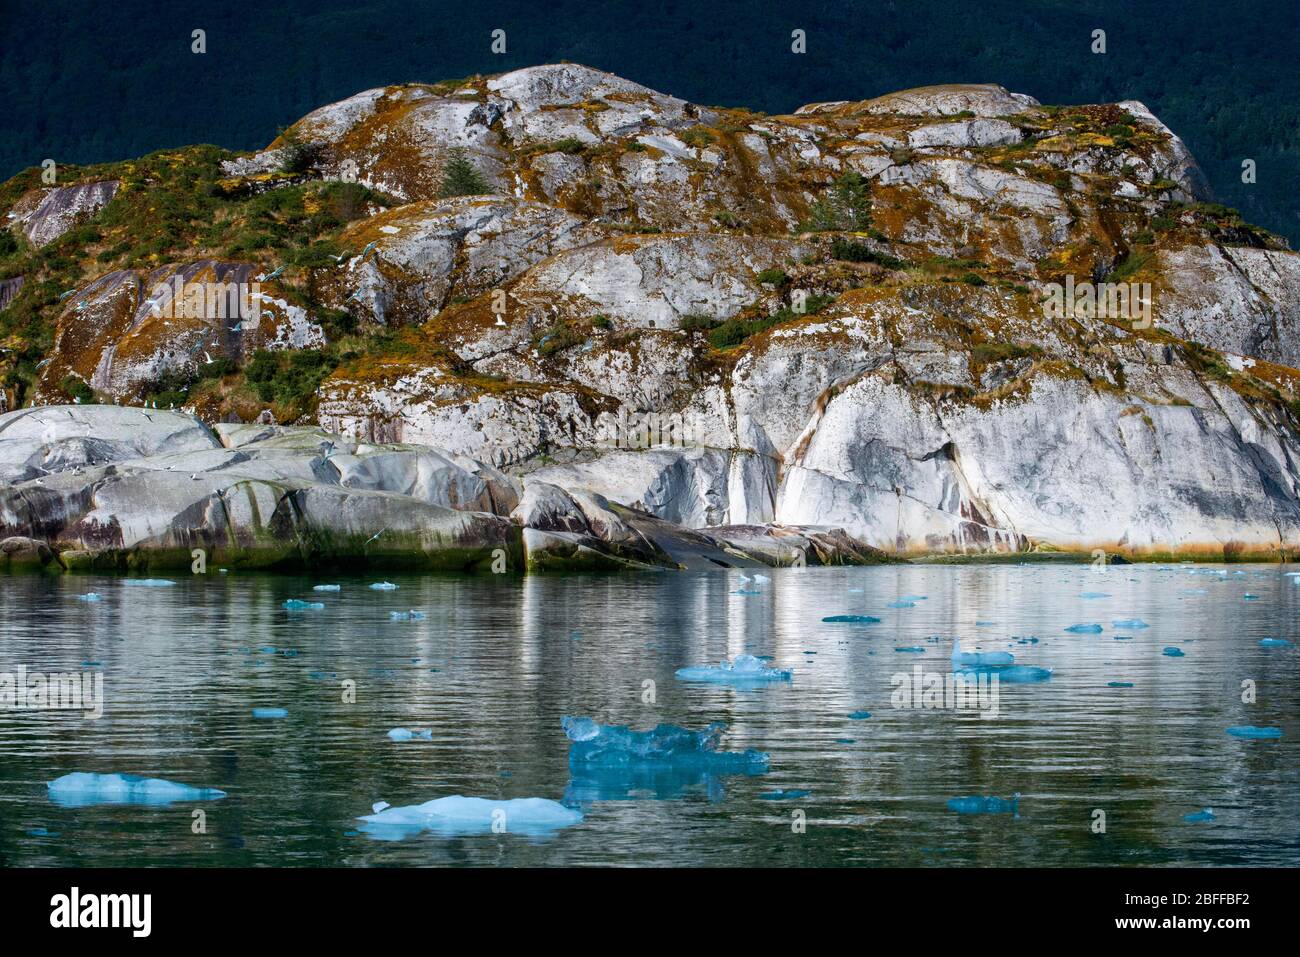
{"points": [[859, 715], [411, 615], [746, 591], [580, 729], [383, 586], [743, 669], [853, 619], [1013, 674], [1275, 643], [1119, 684], [1205, 814], [269, 714], [295, 604], [1134, 624], [911, 598], [327, 587], [1172, 652], [1251, 731], [83, 789], [406, 734], [379, 806], [1094, 594], [665, 746], [1090, 629], [457, 815], [911, 650], [979, 659], [90, 596], [148, 582], [974, 804], [901, 604]]}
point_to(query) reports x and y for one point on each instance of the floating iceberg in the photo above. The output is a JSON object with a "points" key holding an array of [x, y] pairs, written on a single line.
{"points": [[148, 582], [90, 596], [1130, 623], [979, 659], [859, 715], [1172, 652], [1011, 674], [853, 619], [617, 746], [744, 669], [1206, 814], [327, 587], [270, 714], [406, 734], [1250, 731], [1119, 684], [411, 615], [974, 804], [1092, 629], [1275, 643], [294, 604], [83, 789], [911, 650], [458, 815], [383, 586]]}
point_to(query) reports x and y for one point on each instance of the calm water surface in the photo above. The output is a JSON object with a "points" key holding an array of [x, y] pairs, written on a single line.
{"points": [[498, 661]]}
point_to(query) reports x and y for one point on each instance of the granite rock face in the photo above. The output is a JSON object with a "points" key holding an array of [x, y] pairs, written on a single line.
{"points": [[948, 320]]}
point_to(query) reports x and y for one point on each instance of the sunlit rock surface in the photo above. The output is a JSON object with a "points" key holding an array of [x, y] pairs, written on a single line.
{"points": [[668, 335]]}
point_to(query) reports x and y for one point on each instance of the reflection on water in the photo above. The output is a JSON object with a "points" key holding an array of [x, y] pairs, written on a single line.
{"points": [[497, 662]]}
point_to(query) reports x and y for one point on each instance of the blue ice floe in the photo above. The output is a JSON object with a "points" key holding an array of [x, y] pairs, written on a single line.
{"points": [[853, 619], [148, 582], [1275, 643], [1009, 674], [617, 746], [327, 588], [383, 586], [296, 604], [457, 815], [744, 669], [406, 734], [90, 596], [974, 804], [859, 715], [84, 789], [900, 603], [911, 650], [1133, 624], [270, 714], [1205, 814], [1090, 629], [1172, 652], [979, 659], [1094, 594], [411, 615], [1119, 684], [1251, 731]]}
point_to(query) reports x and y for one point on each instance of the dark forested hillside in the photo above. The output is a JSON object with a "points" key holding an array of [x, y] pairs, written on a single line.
{"points": [[93, 80]]}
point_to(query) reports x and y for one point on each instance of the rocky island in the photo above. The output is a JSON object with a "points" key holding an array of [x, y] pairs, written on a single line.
{"points": [[555, 319]]}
